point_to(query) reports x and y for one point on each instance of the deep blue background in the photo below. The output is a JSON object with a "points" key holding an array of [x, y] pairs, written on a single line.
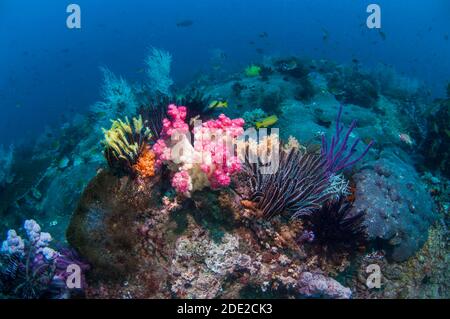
{"points": [[47, 71]]}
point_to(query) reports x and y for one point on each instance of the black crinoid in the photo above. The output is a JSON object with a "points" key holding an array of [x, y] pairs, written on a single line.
{"points": [[196, 103], [155, 109], [153, 113], [298, 187], [337, 229], [21, 277]]}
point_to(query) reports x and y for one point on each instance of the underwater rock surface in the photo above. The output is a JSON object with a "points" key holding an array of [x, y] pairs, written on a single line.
{"points": [[398, 207], [199, 249], [103, 226]]}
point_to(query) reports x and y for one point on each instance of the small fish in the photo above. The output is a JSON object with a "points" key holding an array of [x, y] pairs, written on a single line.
{"points": [[325, 35], [263, 35], [217, 104], [405, 138], [268, 121], [446, 37], [253, 70], [260, 51], [18, 105], [382, 35], [185, 23]]}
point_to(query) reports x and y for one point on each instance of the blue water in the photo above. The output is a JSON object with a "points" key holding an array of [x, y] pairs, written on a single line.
{"points": [[48, 72]]}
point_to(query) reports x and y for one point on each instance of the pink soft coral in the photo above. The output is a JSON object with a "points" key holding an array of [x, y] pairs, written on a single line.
{"points": [[177, 122], [181, 181], [210, 162], [215, 140]]}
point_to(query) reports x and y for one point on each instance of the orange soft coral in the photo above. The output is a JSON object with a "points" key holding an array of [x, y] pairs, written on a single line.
{"points": [[145, 166]]}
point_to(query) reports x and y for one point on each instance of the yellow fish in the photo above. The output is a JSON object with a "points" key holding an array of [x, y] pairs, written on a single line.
{"points": [[268, 121], [253, 71], [217, 104]]}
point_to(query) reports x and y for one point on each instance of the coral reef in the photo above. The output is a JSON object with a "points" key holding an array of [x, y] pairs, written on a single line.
{"points": [[424, 275], [252, 117], [126, 148], [335, 229], [436, 142], [220, 261], [352, 86], [171, 251], [397, 206], [145, 165], [252, 70], [395, 85], [197, 105], [317, 286], [6, 162], [297, 186], [337, 154], [153, 114], [119, 99], [291, 66], [209, 162], [177, 213], [158, 71], [102, 227], [31, 269]]}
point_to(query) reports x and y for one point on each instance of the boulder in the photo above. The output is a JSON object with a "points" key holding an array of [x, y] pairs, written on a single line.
{"points": [[103, 227], [399, 210]]}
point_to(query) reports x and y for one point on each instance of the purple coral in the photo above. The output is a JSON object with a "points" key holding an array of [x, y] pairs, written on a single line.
{"points": [[338, 156], [30, 269]]}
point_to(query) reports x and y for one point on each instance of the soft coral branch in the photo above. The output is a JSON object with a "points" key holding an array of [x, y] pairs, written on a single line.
{"points": [[338, 156]]}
